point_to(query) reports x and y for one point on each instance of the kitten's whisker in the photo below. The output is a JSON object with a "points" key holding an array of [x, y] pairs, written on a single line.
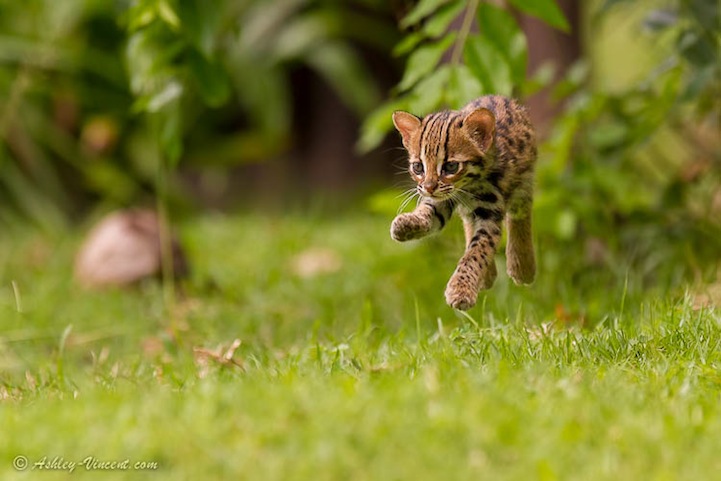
{"points": [[461, 196], [406, 192], [408, 197], [405, 184], [392, 149], [405, 202]]}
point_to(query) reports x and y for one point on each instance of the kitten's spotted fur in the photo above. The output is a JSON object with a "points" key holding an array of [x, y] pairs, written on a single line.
{"points": [[479, 162]]}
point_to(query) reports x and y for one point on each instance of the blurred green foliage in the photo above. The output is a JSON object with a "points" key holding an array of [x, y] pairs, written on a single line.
{"points": [[49, 72], [97, 96], [493, 60], [638, 171], [182, 51]]}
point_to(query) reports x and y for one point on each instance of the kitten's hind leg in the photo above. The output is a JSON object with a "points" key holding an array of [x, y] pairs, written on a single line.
{"points": [[520, 259], [427, 218]]}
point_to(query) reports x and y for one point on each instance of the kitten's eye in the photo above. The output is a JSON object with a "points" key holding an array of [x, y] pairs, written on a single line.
{"points": [[450, 168], [417, 168]]}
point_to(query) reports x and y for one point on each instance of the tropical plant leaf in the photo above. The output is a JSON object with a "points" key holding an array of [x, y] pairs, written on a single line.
{"points": [[422, 61], [302, 34], [264, 96], [546, 10], [429, 94], [489, 66], [171, 132], [500, 29], [378, 124], [201, 25], [341, 67], [438, 24], [706, 12], [697, 49], [211, 79], [463, 87], [169, 16], [408, 43], [171, 91], [421, 11]]}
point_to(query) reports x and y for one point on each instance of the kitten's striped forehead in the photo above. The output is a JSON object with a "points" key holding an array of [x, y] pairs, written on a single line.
{"points": [[433, 141]]}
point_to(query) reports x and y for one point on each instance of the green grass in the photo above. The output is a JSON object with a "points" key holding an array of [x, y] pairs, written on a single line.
{"points": [[357, 373]]}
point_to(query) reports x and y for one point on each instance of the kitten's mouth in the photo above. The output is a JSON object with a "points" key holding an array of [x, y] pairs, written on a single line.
{"points": [[439, 196]]}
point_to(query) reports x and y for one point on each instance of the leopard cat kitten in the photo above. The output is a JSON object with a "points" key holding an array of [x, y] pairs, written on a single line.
{"points": [[477, 161]]}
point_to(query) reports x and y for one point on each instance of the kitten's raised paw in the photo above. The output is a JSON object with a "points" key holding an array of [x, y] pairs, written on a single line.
{"points": [[460, 296], [408, 226]]}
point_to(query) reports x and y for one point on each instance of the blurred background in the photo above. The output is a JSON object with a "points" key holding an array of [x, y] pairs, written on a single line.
{"points": [[284, 106]]}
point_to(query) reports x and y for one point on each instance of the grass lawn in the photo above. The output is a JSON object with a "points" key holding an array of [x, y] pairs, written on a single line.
{"points": [[350, 366]]}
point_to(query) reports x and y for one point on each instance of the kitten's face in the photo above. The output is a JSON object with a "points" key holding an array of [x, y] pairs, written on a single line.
{"points": [[445, 149], [436, 174]]}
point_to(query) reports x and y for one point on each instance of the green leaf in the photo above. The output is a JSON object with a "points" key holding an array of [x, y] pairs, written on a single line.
{"points": [[608, 135], [378, 124], [171, 133], [29, 197], [546, 10], [166, 12], [421, 11], [171, 92], [429, 94], [111, 181], [263, 20], [706, 13], [424, 60], [438, 24], [408, 43], [202, 26], [303, 34], [211, 79], [500, 29], [488, 65], [463, 87], [342, 68], [151, 56], [265, 96], [697, 49], [141, 15], [572, 81], [542, 78], [355, 24], [703, 78]]}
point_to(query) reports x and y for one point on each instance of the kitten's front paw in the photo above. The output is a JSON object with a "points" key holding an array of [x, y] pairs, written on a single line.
{"points": [[460, 295], [408, 226]]}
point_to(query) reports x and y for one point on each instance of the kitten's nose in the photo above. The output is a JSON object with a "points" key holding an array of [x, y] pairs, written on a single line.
{"points": [[430, 185]]}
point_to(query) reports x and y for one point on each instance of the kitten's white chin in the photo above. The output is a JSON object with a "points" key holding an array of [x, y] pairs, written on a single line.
{"points": [[437, 197]]}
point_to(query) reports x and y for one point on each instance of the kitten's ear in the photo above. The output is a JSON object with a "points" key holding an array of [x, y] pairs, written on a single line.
{"points": [[480, 126], [408, 125]]}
